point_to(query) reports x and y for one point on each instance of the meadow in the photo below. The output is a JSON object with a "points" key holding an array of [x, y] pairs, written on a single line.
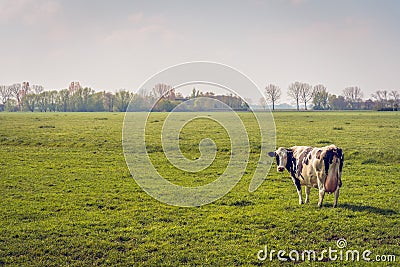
{"points": [[68, 198]]}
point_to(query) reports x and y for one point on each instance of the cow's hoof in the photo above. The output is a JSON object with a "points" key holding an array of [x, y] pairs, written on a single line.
{"points": [[319, 205], [335, 205]]}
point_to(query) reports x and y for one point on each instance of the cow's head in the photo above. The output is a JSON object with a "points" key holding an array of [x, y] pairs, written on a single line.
{"points": [[284, 158]]}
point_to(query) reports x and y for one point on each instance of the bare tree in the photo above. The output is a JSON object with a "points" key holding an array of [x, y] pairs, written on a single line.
{"points": [[16, 92], [396, 98], [319, 88], [353, 95], [5, 93], [395, 95], [305, 93], [162, 90], [272, 94], [377, 96], [385, 95], [294, 92], [381, 96]]}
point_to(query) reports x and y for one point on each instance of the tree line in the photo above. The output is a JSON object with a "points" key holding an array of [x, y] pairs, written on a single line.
{"points": [[319, 98], [26, 97]]}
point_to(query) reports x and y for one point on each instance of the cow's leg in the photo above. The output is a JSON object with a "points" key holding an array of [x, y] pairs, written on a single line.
{"points": [[308, 194], [298, 188], [336, 197], [321, 197], [321, 189]]}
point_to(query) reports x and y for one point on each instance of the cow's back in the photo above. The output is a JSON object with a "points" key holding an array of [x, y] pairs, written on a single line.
{"points": [[305, 172]]}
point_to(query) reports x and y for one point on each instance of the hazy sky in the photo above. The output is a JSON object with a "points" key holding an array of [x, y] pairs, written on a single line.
{"points": [[109, 45]]}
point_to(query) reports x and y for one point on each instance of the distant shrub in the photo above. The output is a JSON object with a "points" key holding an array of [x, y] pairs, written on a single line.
{"points": [[338, 128], [153, 148], [369, 161], [356, 152], [242, 203], [47, 126], [324, 142]]}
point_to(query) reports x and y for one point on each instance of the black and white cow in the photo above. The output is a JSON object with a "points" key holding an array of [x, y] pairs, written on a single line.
{"points": [[312, 167]]}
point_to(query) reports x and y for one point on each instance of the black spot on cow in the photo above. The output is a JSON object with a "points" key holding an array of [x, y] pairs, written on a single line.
{"points": [[291, 163], [297, 183], [328, 158]]}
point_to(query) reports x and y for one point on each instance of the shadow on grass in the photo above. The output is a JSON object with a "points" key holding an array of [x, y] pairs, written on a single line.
{"points": [[376, 210]]}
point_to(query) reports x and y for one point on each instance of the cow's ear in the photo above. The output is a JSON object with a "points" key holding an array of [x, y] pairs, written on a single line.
{"points": [[318, 155], [271, 154]]}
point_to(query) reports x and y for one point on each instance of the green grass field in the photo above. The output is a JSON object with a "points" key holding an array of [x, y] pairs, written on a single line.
{"points": [[68, 198]]}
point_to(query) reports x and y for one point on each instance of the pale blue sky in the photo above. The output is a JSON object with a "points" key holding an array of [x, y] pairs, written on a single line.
{"points": [[108, 45]]}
